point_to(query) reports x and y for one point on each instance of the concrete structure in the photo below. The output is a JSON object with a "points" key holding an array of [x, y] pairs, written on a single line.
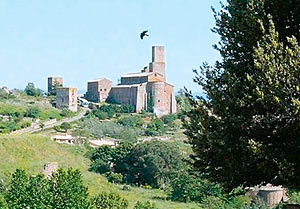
{"points": [[147, 90], [66, 97], [54, 82], [98, 90]]}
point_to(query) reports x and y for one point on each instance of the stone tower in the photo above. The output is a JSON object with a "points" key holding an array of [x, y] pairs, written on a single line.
{"points": [[158, 64], [54, 82]]}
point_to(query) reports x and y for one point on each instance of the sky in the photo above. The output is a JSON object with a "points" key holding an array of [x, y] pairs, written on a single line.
{"points": [[81, 40]]}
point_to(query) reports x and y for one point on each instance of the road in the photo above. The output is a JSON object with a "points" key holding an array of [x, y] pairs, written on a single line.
{"points": [[58, 123]]}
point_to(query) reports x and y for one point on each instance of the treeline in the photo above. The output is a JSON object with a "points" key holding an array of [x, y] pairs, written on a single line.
{"points": [[159, 164], [63, 189], [125, 127]]}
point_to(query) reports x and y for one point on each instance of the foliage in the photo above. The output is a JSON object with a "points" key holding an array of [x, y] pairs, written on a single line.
{"points": [[109, 201], [259, 71], [145, 205], [188, 187], [115, 178], [294, 196], [102, 129], [65, 112], [150, 102], [154, 163], [30, 90], [100, 114], [155, 127], [33, 112], [68, 190], [101, 159], [182, 101], [169, 120], [110, 109], [26, 151], [127, 108], [65, 126], [131, 121], [64, 189], [107, 159]]}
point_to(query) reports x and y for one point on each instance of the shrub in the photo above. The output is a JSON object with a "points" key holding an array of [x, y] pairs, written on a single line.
{"points": [[63, 189], [145, 205], [153, 163], [65, 126], [188, 187], [155, 127], [33, 112], [109, 201], [65, 112], [127, 108], [30, 90], [100, 114], [114, 177], [132, 121]]}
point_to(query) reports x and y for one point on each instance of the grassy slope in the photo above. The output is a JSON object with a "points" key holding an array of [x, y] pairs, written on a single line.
{"points": [[33, 151]]}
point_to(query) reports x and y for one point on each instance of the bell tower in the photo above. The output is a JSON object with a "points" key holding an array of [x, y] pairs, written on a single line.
{"points": [[158, 61]]}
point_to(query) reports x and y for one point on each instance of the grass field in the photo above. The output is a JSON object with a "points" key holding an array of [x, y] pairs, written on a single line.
{"points": [[31, 152]]}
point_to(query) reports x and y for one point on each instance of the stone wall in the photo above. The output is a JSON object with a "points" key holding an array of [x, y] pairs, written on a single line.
{"points": [[53, 81], [66, 97], [98, 90]]}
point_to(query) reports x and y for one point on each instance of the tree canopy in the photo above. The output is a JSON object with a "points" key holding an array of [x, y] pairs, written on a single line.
{"points": [[246, 131]]}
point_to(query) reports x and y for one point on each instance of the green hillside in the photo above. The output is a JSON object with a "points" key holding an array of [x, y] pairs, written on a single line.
{"points": [[31, 152]]}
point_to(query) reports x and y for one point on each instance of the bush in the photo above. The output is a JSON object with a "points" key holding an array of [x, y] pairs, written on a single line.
{"points": [[100, 114], [65, 126], [101, 129], [131, 121], [192, 188], [33, 112], [110, 109], [145, 205], [169, 119], [63, 189], [109, 201], [127, 108], [115, 178], [153, 163], [155, 127], [65, 112], [30, 90]]}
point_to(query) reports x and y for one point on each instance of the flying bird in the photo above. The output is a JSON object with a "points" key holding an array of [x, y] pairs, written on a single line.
{"points": [[143, 34]]}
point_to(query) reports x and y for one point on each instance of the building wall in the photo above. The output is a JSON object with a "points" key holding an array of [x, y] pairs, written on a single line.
{"points": [[124, 95], [98, 91], [163, 98], [133, 80], [52, 81], [66, 98]]}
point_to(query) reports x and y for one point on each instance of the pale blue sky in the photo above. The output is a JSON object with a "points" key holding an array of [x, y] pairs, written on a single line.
{"points": [[86, 39]]}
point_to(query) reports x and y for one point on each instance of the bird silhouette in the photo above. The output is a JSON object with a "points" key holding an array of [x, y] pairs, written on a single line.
{"points": [[143, 34]]}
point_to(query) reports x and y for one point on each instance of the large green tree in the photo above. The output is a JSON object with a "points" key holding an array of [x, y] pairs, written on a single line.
{"points": [[63, 189], [246, 131]]}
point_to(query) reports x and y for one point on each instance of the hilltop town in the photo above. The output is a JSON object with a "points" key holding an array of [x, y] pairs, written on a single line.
{"points": [[146, 90]]}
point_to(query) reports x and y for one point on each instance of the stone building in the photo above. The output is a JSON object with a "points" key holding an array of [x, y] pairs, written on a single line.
{"points": [[66, 97], [54, 82], [98, 90], [148, 89]]}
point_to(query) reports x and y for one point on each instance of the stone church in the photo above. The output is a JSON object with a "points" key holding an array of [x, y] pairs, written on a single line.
{"points": [[145, 90]]}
